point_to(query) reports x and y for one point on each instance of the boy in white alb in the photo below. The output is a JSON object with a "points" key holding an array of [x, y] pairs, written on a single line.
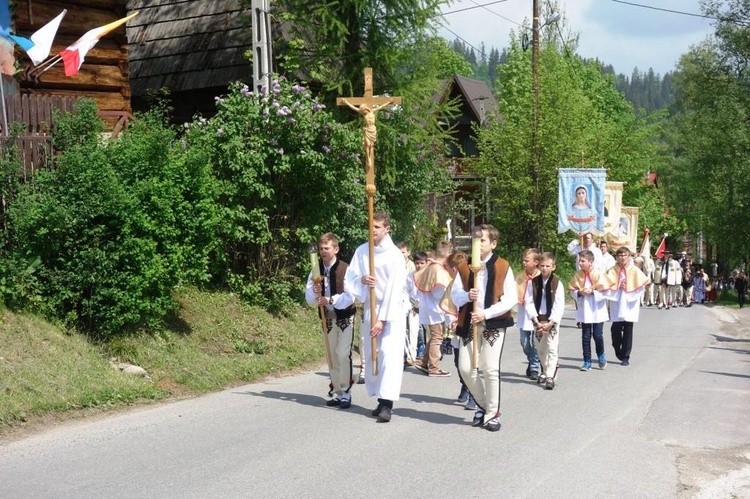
{"points": [[388, 324], [624, 284], [592, 308], [545, 305]]}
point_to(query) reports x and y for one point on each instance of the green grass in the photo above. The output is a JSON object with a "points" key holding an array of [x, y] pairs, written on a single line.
{"points": [[213, 342]]}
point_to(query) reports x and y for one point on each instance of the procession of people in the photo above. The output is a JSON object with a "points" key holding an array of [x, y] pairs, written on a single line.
{"points": [[472, 302]]}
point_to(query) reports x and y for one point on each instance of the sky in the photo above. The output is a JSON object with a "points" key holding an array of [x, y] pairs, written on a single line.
{"points": [[622, 35]]}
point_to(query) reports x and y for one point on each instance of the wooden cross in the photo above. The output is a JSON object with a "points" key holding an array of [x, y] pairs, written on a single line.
{"points": [[368, 106]]}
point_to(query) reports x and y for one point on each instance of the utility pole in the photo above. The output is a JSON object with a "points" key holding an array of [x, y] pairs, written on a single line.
{"points": [[262, 54], [535, 153]]}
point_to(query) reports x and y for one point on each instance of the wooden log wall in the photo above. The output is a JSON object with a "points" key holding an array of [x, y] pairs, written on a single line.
{"points": [[104, 75]]}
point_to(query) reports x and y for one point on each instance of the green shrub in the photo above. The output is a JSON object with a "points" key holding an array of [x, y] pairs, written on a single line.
{"points": [[116, 226]]}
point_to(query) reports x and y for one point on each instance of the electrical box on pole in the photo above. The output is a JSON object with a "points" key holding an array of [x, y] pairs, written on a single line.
{"points": [[262, 54]]}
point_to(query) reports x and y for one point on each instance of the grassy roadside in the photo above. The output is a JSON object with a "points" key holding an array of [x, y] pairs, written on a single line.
{"points": [[215, 341]]}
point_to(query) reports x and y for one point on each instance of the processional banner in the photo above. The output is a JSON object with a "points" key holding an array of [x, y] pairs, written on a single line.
{"points": [[612, 205], [580, 202], [625, 232]]}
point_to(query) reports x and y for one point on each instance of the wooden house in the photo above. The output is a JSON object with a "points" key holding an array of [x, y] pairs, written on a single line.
{"points": [[476, 107], [104, 75], [196, 49], [32, 94]]}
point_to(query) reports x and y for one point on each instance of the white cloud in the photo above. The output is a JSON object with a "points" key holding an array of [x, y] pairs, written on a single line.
{"points": [[622, 35]]}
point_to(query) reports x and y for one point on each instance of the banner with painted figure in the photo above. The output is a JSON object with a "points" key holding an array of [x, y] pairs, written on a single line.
{"points": [[580, 202], [612, 205], [626, 231]]}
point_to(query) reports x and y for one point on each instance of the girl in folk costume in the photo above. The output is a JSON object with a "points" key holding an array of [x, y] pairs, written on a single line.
{"points": [[623, 285]]}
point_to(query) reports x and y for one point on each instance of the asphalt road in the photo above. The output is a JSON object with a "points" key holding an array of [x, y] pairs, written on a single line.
{"points": [[673, 424]]}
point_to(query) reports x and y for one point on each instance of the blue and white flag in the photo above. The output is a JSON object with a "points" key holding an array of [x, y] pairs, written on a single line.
{"points": [[580, 205], [38, 48]]}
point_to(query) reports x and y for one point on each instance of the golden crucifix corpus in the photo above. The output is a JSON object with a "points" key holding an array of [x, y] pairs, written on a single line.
{"points": [[368, 106]]}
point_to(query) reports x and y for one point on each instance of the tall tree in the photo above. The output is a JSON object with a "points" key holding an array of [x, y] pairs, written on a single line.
{"points": [[581, 112], [709, 178], [332, 40]]}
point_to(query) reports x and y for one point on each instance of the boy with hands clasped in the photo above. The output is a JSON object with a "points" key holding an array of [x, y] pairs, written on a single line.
{"points": [[592, 308], [545, 305]]}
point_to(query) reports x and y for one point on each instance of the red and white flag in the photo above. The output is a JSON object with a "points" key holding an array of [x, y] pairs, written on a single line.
{"points": [[73, 56], [662, 247]]}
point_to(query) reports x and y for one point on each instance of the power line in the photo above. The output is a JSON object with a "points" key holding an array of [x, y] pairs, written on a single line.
{"points": [[477, 6], [666, 10], [467, 43], [495, 13]]}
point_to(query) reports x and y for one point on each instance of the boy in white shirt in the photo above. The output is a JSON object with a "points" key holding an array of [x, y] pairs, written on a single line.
{"points": [[592, 308], [545, 305]]}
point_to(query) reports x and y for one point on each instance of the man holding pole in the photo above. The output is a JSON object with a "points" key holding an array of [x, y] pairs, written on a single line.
{"points": [[390, 305], [484, 315], [325, 288]]}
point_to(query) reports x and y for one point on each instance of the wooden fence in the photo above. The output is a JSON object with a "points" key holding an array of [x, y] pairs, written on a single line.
{"points": [[36, 113]]}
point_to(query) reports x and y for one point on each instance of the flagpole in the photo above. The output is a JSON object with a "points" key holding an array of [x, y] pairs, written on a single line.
{"points": [[5, 111], [54, 61]]}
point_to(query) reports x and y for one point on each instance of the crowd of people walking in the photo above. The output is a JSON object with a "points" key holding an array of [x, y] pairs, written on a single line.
{"points": [[447, 302]]}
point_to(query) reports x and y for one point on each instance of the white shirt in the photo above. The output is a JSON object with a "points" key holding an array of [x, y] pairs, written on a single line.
{"points": [[509, 299]]}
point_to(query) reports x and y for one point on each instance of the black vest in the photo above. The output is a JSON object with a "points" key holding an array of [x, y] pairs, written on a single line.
{"points": [[336, 279]]}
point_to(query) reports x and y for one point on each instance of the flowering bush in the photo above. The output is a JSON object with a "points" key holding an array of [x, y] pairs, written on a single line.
{"points": [[287, 173]]}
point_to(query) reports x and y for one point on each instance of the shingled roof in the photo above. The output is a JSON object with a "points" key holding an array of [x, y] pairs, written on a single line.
{"points": [[188, 45], [477, 92]]}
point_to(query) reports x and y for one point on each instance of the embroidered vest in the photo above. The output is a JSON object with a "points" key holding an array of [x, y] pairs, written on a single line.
{"points": [[497, 269]]}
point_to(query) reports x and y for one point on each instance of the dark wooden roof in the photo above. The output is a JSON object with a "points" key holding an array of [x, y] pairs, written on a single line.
{"points": [[188, 44], [475, 93]]}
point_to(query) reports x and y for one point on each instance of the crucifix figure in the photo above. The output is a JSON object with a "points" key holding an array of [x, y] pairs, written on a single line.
{"points": [[368, 106]]}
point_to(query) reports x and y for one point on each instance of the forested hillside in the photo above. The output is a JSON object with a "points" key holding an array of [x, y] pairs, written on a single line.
{"points": [[646, 90]]}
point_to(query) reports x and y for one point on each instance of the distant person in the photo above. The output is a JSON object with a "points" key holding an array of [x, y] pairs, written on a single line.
{"points": [[740, 285]]}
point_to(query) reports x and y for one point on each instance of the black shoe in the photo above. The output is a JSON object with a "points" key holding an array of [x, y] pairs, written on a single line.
{"points": [[625, 363], [528, 372], [384, 416], [478, 419], [376, 411], [345, 403], [492, 425], [534, 375], [333, 402]]}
